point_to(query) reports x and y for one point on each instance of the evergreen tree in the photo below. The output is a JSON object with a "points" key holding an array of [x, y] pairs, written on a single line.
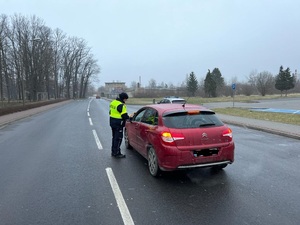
{"points": [[219, 80], [192, 84], [210, 85], [284, 80]]}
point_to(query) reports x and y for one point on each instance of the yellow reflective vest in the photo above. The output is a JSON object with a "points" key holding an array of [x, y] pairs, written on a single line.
{"points": [[113, 111]]}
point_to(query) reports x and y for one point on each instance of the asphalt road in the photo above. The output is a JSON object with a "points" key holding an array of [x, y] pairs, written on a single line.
{"points": [[56, 168]]}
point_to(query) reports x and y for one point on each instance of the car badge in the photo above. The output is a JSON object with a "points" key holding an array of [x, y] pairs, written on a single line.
{"points": [[204, 135]]}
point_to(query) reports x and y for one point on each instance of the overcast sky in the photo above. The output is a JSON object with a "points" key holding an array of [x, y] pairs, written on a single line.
{"points": [[165, 40]]}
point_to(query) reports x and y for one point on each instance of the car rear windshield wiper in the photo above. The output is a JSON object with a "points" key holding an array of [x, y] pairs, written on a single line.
{"points": [[207, 124]]}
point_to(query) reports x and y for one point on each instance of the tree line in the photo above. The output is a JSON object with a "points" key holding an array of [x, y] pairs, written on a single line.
{"points": [[263, 82], [37, 61], [214, 85]]}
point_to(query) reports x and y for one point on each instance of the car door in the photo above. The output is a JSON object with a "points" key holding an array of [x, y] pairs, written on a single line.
{"points": [[148, 123], [133, 128]]}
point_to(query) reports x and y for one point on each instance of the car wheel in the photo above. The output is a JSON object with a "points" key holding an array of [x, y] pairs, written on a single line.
{"points": [[153, 163], [126, 139]]}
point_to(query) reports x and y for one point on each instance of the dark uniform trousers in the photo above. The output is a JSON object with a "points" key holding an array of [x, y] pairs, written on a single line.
{"points": [[117, 137]]}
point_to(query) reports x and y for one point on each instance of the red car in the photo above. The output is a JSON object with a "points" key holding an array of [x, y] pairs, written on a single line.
{"points": [[179, 136]]}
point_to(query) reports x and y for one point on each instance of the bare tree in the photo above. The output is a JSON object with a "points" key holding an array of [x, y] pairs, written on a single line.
{"points": [[36, 61], [152, 83], [4, 79], [57, 46], [70, 53], [264, 82], [89, 69]]}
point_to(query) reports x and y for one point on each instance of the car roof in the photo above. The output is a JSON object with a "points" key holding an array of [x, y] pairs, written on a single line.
{"points": [[164, 108], [173, 98]]}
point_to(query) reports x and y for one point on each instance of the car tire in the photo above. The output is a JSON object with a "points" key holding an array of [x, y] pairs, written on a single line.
{"points": [[126, 140], [152, 162]]}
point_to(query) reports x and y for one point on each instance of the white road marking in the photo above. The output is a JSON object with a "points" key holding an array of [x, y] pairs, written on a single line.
{"points": [[88, 109], [127, 219], [88, 114], [97, 140], [91, 122]]}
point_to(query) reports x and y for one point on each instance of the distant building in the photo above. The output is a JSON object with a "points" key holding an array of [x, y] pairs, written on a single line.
{"points": [[112, 89]]}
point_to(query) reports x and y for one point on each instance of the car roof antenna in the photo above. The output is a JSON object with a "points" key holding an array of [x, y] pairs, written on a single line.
{"points": [[183, 105]]}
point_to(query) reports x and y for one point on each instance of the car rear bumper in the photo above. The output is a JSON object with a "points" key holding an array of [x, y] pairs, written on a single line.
{"points": [[176, 159], [204, 165]]}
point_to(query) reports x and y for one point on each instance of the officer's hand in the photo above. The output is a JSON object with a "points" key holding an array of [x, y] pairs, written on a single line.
{"points": [[132, 114]]}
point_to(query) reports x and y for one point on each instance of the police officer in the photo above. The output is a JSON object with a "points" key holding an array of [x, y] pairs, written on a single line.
{"points": [[118, 116]]}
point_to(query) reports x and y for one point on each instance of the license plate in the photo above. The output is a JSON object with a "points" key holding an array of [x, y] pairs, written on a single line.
{"points": [[206, 152]]}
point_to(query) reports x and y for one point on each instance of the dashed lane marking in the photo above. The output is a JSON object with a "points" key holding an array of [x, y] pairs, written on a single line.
{"points": [[97, 140], [127, 219], [91, 122]]}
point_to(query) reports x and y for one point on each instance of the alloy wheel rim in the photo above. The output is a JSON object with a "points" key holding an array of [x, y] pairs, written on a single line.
{"points": [[126, 138], [152, 162]]}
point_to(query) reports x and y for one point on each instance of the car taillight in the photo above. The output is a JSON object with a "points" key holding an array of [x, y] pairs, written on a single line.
{"points": [[227, 133], [171, 137]]}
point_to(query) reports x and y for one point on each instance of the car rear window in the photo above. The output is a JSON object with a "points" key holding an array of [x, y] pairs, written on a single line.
{"points": [[183, 120]]}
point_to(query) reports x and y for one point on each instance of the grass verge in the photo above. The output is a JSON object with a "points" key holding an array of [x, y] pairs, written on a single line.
{"points": [[200, 100], [269, 116]]}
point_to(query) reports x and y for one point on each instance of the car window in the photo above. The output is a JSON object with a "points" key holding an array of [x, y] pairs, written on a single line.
{"points": [[139, 115], [150, 117], [184, 120]]}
